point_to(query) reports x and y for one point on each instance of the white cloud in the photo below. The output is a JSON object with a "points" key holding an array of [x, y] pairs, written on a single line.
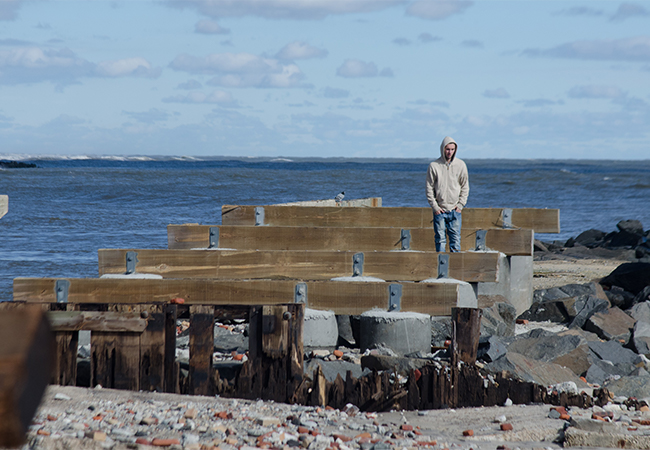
{"points": [[425, 38], [386, 72], [226, 63], [152, 116], [24, 65], [330, 92], [283, 9], [354, 68], [218, 97], [627, 49], [138, 67], [289, 77], [401, 41], [593, 91], [496, 93], [437, 9], [628, 10], [190, 84], [539, 102], [579, 11], [300, 50], [9, 9], [241, 70], [472, 43], [206, 26]]}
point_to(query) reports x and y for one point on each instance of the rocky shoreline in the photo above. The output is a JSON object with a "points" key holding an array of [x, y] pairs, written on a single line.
{"points": [[575, 338]]}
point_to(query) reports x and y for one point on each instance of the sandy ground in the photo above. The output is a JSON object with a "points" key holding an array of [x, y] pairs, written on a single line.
{"points": [[547, 274]]}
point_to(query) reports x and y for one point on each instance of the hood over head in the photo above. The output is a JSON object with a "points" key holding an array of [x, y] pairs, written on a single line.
{"points": [[445, 141]]}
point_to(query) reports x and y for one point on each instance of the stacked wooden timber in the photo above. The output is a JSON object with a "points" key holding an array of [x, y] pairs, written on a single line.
{"points": [[265, 270]]}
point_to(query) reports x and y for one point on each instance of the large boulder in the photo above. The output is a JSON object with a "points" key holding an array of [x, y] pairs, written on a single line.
{"points": [[568, 348], [585, 306], [631, 226], [611, 324], [640, 311], [613, 352], [440, 330], [637, 386], [632, 277], [590, 239], [498, 320], [539, 372], [602, 371], [641, 337], [620, 297]]}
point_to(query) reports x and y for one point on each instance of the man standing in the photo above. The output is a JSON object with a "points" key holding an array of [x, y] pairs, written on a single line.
{"points": [[447, 191]]}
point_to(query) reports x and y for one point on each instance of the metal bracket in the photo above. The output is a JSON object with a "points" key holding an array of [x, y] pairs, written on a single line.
{"points": [[61, 288], [506, 218], [405, 238], [214, 237], [394, 297], [357, 264], [480, 240], [443, 265], [131, 262], [259, 216], [300, 293]]}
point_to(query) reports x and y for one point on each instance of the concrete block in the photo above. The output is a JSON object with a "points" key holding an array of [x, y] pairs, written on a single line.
{"points": [[521, 282], [320, 329], [514, 284], [402, 332], [466, 291]]}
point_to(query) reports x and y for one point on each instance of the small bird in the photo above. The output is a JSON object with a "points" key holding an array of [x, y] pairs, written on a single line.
{"points": [[339, 197]]}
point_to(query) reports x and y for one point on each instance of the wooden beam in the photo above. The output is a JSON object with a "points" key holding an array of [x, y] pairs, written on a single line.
{"points": [[539, 220], [472, 267], [4, 205], [192, 236], [357, 202], [26, 362], [96, 321], [340, 296]]}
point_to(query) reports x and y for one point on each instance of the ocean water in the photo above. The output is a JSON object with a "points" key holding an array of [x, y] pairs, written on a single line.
{"points": [[62, 212]]}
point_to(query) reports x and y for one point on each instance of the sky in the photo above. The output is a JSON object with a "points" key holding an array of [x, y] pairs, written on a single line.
{"points": [[325, 78]]}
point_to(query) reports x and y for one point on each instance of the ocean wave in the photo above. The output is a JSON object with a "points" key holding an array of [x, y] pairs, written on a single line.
{"points": [[640, 186], [282, 160]]}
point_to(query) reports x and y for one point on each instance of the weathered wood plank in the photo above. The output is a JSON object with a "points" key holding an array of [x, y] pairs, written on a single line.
{"points": [[539, 220], [472, 267], [170, 364], [201, 349], [115, 357], [466, 331], [4, 205], [356, 202], [189, 236], [26, 363], [339, 296], [96, 321], [152, 349]]}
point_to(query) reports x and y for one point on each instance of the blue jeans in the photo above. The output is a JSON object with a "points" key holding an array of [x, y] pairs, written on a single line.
{"points": [[450, 223]]}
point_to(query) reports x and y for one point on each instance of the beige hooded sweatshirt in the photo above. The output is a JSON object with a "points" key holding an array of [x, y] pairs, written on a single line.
{"points": [[447, 181]]}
